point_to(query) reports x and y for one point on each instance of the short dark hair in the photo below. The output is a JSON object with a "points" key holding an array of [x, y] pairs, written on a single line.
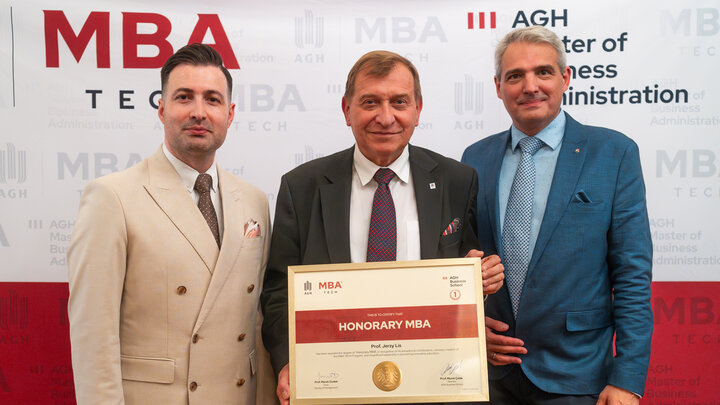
{"points": [[195, 55], [380, 64]]}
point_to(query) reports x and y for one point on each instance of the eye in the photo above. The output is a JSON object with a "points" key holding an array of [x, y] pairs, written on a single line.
{"points": [[512, 76], [182, 97]]}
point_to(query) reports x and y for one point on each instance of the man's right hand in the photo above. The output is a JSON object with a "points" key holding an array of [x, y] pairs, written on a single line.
{"points": [[283, 387], [499, 347]]}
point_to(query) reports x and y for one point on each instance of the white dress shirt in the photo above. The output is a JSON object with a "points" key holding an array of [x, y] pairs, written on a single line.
{"points": [[188, 175], [362, 193]]}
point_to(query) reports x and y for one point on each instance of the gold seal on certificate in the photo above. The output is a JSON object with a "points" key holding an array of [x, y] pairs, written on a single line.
{"points": [[387, 376]]}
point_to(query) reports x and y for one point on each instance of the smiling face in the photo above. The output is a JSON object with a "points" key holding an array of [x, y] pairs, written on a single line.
{"points": [[196, 112], [383, 114], [531, 85]]}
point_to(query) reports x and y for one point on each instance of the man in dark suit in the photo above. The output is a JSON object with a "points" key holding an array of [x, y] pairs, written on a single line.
{"points": [[564, 206], [326, 212]]}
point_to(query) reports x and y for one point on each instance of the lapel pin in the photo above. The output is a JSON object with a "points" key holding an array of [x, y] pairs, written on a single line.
{"points": [[432, 186], [577, 150]]}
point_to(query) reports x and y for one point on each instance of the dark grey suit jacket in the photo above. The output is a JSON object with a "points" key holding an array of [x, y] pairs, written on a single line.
{"points": [[312, 217]]}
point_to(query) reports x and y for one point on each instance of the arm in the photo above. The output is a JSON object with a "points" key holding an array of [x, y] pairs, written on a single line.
{"points": [[284, 251], [96, 269], [629, 260]]}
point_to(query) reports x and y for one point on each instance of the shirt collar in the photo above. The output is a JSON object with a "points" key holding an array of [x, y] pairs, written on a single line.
{"points": [[187, 174], [366, 169], [551, 135]]}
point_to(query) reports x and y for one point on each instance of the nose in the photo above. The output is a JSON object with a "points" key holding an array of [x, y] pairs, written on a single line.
{"points": [[530, 84], [198, 112], [385, 115]]}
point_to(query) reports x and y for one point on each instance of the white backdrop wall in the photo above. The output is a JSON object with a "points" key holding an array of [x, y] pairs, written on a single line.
{"points": [[79, 86]]}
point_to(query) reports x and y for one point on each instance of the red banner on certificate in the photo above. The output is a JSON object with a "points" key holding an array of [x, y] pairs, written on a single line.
{"points": [[400, 323]]}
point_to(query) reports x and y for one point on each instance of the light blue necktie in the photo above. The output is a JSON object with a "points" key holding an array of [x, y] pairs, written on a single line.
{"points": [[518, 216]]}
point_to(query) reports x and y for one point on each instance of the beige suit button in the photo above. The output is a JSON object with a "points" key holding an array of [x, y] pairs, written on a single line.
{"points": [[195, 338], [251, 287], [241, 337], [181, 290], [193, 386], [240, 382]]}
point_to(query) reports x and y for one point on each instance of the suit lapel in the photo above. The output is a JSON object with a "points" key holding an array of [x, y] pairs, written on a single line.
{"points": [[491, 178], [168, 191], [567, 171], [234, 218], [428, 199], [335, 207]]}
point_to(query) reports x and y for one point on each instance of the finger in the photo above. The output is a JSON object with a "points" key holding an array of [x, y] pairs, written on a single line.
{"points": [[492, 288], [495, 324], [503, 359], [475, 253]]}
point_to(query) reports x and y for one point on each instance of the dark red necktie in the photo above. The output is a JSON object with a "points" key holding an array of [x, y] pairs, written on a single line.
{"points": [[382, 237]]}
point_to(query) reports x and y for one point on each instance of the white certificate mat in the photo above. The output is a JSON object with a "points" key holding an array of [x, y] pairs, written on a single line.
{"points": [[387, 332]]}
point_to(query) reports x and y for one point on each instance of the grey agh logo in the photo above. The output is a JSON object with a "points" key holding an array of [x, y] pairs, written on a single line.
{"points": [[468, 96], [13, 311], [309, 155], [309, 31], [13, 164], [308, 286], [3, 239]]}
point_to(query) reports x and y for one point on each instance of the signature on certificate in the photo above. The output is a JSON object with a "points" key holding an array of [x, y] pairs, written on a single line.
{"points": [[328, 375], [451, 367]]}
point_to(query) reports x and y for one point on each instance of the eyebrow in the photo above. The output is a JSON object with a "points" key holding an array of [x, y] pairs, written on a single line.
{"points": [[540, 67], [216, 93]]}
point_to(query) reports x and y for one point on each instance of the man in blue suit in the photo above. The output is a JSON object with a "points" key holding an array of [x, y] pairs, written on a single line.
{"points": [[563, 204]]}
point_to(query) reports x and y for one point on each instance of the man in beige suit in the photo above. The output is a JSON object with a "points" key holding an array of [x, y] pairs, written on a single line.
{"points": [[167, 258]]}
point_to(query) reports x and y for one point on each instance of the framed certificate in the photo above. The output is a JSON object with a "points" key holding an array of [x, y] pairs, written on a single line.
{"points": [[387, 332]]}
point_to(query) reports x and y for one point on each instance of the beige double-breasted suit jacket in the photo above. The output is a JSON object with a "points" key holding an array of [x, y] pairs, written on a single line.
{"points": [[158, 313]]}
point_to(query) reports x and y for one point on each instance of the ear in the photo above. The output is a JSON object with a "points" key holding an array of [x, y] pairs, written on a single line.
{"points": [[566, 78], [497, 87], [418, 109], [346, 111], [161, 110], [231, 114]]}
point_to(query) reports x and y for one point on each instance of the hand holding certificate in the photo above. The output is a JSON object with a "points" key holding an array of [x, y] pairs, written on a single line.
{"points": [[387, 332]]}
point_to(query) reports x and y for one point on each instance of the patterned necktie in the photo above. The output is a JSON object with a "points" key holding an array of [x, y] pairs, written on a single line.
{"points": [[382, 237], [203, 184], [516, 229]]}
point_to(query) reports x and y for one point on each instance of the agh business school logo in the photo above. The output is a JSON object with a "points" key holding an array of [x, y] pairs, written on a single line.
{"points": [[309, 31], [468, 96], [13, 164]]}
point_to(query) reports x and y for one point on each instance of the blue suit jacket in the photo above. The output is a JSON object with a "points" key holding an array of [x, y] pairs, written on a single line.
{"points": [[589, 275]]}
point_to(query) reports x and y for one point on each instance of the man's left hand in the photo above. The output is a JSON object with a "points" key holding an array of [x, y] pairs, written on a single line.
{"points": [[493, 271], [613, 395]]}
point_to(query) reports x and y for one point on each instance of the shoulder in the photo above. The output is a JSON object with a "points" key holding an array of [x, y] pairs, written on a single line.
{"points": [[600, 136], [319, 168], [486, 144]]}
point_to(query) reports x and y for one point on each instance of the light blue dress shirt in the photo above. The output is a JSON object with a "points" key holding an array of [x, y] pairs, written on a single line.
{"points": [[545, 159]]}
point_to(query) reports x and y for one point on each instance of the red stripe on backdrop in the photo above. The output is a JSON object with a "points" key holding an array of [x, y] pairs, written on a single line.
{"points": [[35, 347], [35, 363], [685, 359], [398, 323]]}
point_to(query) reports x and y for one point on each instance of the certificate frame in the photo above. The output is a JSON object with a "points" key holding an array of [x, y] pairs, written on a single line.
{"points": [[314, 307]]}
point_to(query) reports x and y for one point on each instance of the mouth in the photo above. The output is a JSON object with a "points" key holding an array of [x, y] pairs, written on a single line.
{"points": [[532, 102], [197, 130]]}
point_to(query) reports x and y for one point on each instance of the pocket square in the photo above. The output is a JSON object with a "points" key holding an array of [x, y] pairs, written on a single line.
{"points": [[252, 229], [582, 197], [452, 227]]}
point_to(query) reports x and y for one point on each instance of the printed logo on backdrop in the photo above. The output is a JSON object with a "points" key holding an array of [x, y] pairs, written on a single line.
{"points": [[13, 311], [308, 155], [309, 31], [468, 99], [13, 164], [13, 170], [468, 96], [702, 22], [91, 165], [3, 239], [399, 30], [696, 172], [481, 21]]}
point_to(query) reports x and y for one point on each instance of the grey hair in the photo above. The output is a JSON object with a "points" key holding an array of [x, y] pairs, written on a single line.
{"points": [[535, 34]]}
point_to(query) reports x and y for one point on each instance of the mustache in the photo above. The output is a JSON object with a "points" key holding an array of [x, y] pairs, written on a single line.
{"points": [[540, 97], [194, 123]]}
